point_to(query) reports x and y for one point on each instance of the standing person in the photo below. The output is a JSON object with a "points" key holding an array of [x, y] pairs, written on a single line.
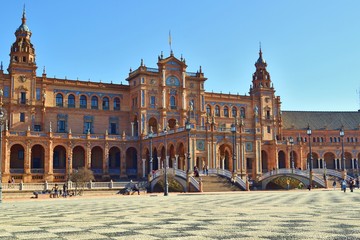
{"points": [[343, 185], [12, 180], [357, 182], [334, 184], [207, 170], [288, 184], [351, 185], [65, 192]]}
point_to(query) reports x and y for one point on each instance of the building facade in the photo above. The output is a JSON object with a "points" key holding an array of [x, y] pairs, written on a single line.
{"points": [[52, 126]]}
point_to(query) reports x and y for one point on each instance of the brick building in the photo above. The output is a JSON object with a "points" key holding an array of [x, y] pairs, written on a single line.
{"points": [[52, 126]]}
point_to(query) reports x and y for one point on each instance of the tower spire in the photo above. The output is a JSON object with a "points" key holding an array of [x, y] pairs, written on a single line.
{"points": [[24, 16]]}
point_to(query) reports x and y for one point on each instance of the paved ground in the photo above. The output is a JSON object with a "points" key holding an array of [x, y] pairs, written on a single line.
{"points": [[298, 214]]}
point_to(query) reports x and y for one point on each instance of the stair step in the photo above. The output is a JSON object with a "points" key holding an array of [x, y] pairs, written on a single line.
{"points": [[217, 184]]}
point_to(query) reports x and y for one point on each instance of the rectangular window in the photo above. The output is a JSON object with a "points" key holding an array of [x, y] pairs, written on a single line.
{"points": [[88, 124], [88, 127], [6, 91], [83, 102], [268, 129], [23, 98], [37, 128], [267, 114], [113, 128], [38, 94], [152, 101], [22, 117], [61, 126]]}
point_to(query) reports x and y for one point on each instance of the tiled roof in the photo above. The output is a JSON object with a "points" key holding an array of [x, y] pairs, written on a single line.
{"points": [[321, 120]]}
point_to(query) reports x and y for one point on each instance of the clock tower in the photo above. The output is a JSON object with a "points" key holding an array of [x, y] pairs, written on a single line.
{"points": [[22, 71]]}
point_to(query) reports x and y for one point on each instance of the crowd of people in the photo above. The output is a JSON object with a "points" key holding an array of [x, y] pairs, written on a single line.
{"points": [[352, 183]]}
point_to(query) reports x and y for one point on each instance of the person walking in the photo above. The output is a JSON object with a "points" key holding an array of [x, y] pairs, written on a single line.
{"points": [[334, 184], [343, 185], [351, 185]]}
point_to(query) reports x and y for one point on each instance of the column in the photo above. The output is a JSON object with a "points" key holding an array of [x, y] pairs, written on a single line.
{"points": [[132, 129], [143, 167], [176, 162], [159, 162], [223, 163], [27, 163], [106, 159]]}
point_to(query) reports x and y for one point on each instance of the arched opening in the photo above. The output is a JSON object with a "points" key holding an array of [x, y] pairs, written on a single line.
{"points": [[97, 160], [155, 160], [172, 123], [114, 161], [152, 123], [17, 158], [59, 159], [131, 162], [281, 159], [71, 101], [78, 160], [182, 158], [264, 161], [330, 161], [37, 159]]}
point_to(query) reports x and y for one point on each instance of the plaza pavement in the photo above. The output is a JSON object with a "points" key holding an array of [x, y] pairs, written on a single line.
{"points": [[294, 214]]}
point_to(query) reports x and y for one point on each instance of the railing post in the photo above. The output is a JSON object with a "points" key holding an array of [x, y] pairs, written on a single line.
{"points": [[90, 184], [111, 184], [200, 185], [46, 185]]}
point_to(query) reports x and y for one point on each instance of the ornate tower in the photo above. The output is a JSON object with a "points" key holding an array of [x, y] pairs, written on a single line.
{"points": [[22, 70]]}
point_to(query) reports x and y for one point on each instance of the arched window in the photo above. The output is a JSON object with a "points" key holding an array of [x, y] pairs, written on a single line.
{"points": [[83, 101], [217, 111], [59, 100], [71, 101], [116, 104], [226, 111], [172, 102], [105, 103], [234, 111], [94, 102], [242, 113], [208, 110]]}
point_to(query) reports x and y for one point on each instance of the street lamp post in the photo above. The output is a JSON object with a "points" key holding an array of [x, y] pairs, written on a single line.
{"points": [[310, 158], [188, 129], [151, 134], [166, 184], [291, 140], [233, 130], [2, 121], [343, 168]]}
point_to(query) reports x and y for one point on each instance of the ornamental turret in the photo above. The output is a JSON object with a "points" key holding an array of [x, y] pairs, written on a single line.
{"points": [[22, 52]]}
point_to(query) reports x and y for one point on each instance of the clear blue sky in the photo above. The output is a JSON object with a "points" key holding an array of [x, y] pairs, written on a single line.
{"points": [[312, 47]]}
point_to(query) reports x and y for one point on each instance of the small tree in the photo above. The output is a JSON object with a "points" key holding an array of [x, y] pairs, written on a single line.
{"points": [[81, 177]]}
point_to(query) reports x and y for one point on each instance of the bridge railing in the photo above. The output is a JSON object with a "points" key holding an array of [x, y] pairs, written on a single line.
{"points": [[241, 182], [195, 183], [298, 172]]}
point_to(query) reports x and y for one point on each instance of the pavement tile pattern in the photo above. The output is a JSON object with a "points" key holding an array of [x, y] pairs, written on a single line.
{"points": [[321, 214]]}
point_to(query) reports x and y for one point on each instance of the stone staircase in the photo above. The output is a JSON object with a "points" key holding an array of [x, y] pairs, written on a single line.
{"points": [[214, 183]]}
